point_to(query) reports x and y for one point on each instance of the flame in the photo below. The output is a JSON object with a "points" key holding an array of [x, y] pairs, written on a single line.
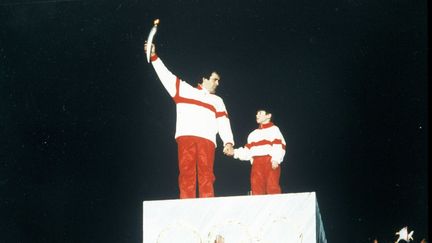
{"points": [[156, 22]]}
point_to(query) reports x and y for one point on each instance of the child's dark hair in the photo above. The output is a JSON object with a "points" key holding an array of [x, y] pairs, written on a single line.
{"points": [[267, 111]]}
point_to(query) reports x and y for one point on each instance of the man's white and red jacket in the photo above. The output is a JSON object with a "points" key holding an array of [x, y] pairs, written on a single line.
{"points": [[199, 113], [267, 140]]}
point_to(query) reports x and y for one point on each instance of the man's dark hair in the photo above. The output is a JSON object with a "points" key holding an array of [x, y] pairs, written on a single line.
{"points": [[205, 73]]}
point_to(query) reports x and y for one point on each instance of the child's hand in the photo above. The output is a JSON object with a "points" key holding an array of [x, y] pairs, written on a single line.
{"points": [[275, 164]]}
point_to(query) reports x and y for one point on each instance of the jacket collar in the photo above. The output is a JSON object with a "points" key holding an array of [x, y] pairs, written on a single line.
{"points": [[266, 125], [200, 87]]}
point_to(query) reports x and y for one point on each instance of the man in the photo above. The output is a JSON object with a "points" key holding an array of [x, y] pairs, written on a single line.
{"points": [[200, 116], [265, 149]]}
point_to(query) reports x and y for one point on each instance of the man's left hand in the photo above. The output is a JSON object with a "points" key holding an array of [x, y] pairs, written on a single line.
{"points": [[228, 149]]}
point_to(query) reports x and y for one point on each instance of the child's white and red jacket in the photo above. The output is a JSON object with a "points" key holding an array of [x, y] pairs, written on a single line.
{"points": [[199, 113], [265, 140]]}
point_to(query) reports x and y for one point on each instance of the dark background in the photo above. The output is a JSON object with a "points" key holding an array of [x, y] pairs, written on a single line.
{"points": [[87, 130]]}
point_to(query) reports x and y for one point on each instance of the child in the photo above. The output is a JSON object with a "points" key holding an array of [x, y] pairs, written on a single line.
{"points": [[265, 149]]}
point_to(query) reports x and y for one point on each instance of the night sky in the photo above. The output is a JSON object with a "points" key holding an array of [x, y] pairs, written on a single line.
{"points": [[87, 129]]}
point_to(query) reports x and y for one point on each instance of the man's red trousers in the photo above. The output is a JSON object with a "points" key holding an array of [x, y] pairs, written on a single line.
{"points": [[195, 153]]}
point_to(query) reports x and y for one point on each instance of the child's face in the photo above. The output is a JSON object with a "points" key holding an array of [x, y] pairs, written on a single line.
{"points": [[262, 117]]}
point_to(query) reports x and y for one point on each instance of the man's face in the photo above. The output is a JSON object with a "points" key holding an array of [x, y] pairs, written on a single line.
{"points": [[211, 83], [262, 117]]}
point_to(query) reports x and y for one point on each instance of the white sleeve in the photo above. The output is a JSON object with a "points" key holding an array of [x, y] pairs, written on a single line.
{"points": [[224, 125], [279, 146], [242, 153], [166, 77]]}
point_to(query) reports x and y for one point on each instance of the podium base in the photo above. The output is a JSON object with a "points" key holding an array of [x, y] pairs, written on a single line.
{"points": [[282, 218]]}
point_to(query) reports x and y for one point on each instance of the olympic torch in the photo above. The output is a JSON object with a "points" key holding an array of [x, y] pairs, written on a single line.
{"points": [[150, 38]]}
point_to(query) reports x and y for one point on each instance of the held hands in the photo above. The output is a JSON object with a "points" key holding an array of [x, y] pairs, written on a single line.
{"points": [[228, 149]]}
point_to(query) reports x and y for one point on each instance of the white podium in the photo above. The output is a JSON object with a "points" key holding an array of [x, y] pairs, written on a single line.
{"points": [[281, 218]]}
